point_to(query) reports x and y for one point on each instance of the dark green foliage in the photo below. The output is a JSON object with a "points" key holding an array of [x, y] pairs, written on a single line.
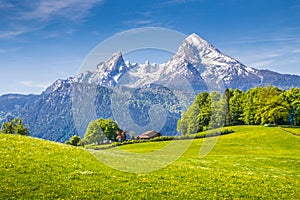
{"points": [[227, 96], [101, 130], [75, 140], [14, 126]]}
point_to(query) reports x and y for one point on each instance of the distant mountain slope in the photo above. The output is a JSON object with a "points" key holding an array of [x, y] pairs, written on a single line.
{"points": [[12, 104], [197, 66]]}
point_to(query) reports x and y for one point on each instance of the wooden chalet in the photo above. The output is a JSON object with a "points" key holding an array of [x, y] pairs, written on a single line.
{"points": [[149, 135]]}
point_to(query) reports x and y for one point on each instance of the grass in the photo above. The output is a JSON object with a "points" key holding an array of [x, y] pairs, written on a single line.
{"points": [[295, 130], [254, 162], [207, 133]]}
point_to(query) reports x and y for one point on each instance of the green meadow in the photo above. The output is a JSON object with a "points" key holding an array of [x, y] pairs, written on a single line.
{"points": [[254, 162]]}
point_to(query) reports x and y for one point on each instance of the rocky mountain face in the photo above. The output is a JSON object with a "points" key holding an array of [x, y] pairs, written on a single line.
{"points": [[128, 92], [12, 104]]}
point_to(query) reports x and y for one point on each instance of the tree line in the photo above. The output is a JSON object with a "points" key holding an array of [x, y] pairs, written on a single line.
{"points": [[256, 106]]}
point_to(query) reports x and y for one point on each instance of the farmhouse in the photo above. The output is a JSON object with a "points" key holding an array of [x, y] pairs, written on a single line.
{"points": [[121, 136], [149, 135]]}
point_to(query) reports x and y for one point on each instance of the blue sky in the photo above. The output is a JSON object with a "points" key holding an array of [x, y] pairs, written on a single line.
{"points": [[44, 40]]}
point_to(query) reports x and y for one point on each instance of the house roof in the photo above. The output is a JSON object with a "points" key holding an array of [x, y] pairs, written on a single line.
{"points": [[148, 134]]}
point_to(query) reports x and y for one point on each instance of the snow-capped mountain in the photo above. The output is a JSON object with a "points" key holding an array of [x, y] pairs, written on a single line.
{"points": [[196, 60], [218, 70], [197, 66], [107, 73]]}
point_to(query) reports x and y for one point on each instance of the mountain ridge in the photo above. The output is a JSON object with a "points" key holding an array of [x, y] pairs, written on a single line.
{"points": [[205, 59], [197, 66]]}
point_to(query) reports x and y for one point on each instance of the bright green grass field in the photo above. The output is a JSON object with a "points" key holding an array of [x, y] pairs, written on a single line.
{"points": [[254, 162], [295, 131]]}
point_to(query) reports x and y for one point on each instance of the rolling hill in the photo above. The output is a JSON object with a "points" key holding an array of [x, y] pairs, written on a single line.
{"points": [[254, 162]]}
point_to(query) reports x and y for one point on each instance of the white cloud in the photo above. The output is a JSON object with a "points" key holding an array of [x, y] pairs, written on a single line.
{"points": [[138, 22], [30, 16], [174, 2], [71, 9], [33, 84], [10, 34]]}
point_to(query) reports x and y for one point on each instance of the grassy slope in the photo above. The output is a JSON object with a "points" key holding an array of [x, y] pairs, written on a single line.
{"points": [[254, 162], [293, 130]]}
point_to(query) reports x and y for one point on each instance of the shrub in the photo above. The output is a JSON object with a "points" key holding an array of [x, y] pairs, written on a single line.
{"points": [[15, 126], [75, 140]]}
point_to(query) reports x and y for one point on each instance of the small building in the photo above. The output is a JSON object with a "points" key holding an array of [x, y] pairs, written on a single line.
{"points": [[121, 136], [149, 135]]}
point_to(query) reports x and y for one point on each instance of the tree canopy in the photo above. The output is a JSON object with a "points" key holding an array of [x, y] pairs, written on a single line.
{"points": [[14, 126], [75, 140], [101, 130], [259, 105]]}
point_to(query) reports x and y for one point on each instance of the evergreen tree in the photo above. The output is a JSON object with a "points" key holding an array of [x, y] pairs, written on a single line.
{"points": [[226, 98]]}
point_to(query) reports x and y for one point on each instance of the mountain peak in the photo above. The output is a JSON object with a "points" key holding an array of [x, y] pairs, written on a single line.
{"points": [[197, 41], [116, 58], [193, 49], [113, 63]]}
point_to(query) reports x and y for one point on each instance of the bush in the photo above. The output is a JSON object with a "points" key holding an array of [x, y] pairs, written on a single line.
{"points": [[15, 126], [75, 140], [209, 133]]}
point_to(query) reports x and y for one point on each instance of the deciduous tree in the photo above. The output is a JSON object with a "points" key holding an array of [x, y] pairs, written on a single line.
{"points": [[15, 126]]}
